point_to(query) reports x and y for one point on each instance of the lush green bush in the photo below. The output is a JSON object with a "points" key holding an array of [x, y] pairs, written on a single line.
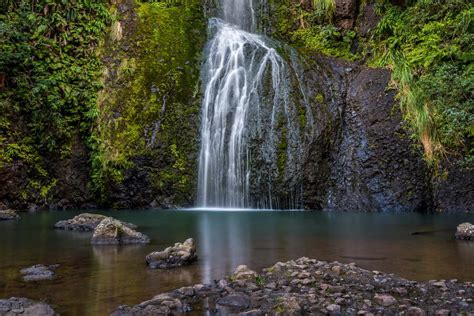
{"points": [[47, 54], [429, 46]]}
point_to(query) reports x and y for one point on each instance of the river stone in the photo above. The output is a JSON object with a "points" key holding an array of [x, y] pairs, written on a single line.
{"points": [[38, 272], [24, 307], [415, 311], [111, 231], [180, 254], [85, 222], [465, 231], [384, 299], [6, 215], [351, 298], [334, 309]]}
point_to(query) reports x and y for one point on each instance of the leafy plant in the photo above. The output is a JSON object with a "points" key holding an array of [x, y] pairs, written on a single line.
{"points": [[52, 80]]}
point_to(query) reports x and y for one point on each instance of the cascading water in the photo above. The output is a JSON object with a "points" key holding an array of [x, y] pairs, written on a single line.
{"points": [[248, 120]]}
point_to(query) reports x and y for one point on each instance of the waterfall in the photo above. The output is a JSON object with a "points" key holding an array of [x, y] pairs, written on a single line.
{"points": [[249, 132]]}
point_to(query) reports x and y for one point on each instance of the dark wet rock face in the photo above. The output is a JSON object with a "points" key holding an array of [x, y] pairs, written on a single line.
{"points": [[85, 222], [24, 307], [38, 272], [7, 215], [360, 156], [346, 13], [465, 231], [307, 286], [180, 254], [454, 193], [111, 231]]}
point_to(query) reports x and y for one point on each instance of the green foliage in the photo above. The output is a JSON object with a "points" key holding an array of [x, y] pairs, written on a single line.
{"points": [[324, 8], [327, 39], [259, 280], [429, 47], [47, 56], [311, 27]]}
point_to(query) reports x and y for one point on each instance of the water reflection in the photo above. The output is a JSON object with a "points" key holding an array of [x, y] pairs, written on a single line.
{"points": [[96, 279]]}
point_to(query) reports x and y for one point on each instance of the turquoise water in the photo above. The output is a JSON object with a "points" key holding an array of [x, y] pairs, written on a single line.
{"points": [[96, 279]]}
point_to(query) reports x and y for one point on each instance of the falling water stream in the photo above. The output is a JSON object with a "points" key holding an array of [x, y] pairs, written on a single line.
{"points": [[247, 115]]}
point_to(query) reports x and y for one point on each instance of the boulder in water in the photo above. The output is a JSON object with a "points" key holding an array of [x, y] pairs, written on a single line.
{"points": [[6, 215], [465, 231], [111, 231], [180, 254], [38, 272], [85, 222], [25, 307]]}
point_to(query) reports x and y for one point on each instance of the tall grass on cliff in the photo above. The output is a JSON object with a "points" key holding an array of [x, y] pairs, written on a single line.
{"points": [[429, 47]]}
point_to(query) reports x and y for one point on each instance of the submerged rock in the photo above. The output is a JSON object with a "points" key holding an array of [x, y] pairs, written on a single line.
{"points": [[24, 307], [338, 289], [180, 254], [85, 222], [38, 272], [111, 231], [6, 215], [465, 231]]}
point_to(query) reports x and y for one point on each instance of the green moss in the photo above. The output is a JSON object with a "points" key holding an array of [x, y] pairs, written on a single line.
{"points": [[310, 27], [319, 98], [151, 108]]}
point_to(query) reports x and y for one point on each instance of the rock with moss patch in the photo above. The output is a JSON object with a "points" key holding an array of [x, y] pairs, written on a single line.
{"points": [[85, 222], [6, 215], [180, 254], [242, 272], [111, 231]]}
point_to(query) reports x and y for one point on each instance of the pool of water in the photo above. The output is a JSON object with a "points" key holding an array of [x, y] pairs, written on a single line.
{"points": [[96, 279]]}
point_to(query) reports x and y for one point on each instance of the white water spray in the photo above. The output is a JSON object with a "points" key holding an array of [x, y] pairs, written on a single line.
{"points": [[245, 89]]}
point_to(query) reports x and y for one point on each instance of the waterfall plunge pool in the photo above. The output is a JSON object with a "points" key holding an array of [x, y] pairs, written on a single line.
{"points": [[96, 279]]}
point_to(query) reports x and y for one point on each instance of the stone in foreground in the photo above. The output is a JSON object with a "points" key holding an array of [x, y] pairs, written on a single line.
{"points": [[24, 307], [180, 254], [7, 215], [38, 272], [465, 231], [85, 222], [111, 231], [311, 287]]}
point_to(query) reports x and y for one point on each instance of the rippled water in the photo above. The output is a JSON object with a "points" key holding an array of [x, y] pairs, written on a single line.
{"points": [[94, 280]]}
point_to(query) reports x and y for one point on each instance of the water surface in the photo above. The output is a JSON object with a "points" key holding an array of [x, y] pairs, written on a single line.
{"points": [[96, 279]]}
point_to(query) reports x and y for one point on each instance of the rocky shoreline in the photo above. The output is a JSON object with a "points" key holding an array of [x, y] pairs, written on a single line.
{"points": [[309, 286]]}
